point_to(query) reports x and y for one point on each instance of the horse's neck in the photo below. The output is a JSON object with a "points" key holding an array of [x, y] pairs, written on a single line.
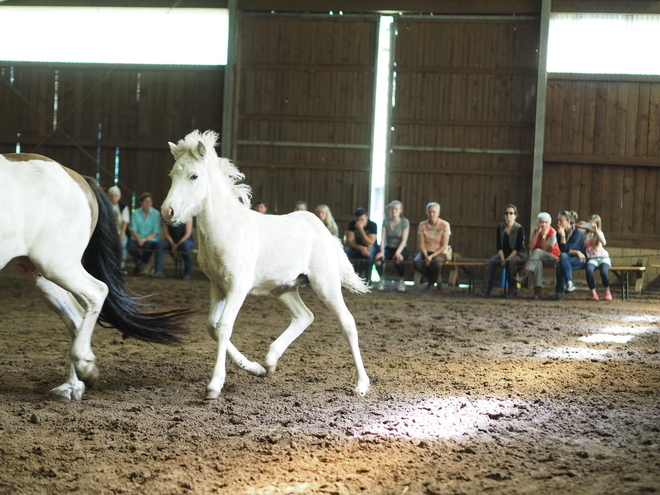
{"points": [[220, 216]]}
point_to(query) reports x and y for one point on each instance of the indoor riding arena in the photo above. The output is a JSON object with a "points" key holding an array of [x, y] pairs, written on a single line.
{"points": [[470, 104]]}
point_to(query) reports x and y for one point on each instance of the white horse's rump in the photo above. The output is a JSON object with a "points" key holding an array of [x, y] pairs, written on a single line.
{"points": [[52, 218], [244, 252]]}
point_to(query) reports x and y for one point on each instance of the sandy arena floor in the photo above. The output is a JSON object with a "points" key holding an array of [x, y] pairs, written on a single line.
{"points": [[468, 396]]}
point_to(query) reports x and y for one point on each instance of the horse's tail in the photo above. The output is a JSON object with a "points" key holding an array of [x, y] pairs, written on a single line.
{"points": [[349, 278], [102, 260]]}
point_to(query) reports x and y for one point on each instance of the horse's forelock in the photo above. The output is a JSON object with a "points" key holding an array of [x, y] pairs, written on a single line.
{"points": [[190, 143]]}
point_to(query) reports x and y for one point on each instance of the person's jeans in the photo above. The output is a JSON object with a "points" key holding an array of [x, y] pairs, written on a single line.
{"points": [[183, 250], [389, 255], [511, 268], [141, 254], [432, 271], [565, 266], [604, 269], [366, 265]]}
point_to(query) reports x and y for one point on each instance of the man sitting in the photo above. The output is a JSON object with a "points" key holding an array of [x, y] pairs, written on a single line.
{"points": [[361, 242]]}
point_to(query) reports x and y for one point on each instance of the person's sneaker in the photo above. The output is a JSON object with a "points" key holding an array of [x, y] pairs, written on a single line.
{"points": [[608, 295], [511, 295], [521, 279], [558, 296], [380, 285], [145, 270], [402, 286], [187, 277], [594, 296], [157, 274], [538, 292], [570, 286]]}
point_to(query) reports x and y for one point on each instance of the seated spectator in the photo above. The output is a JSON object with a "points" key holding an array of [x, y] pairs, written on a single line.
{"points": [[178, 240], [123, 217], [543, 251], [394, 243], [325, 215], [300, 206], [361, 241], [261, 207], [511, 251], [597, 256], [433, 237], [571, 257], [144, 234]]}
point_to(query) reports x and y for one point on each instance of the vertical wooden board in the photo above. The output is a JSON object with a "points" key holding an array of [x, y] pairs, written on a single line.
{"points": [[568, 114], [574, 187], [579, 105], [600, 113], [596, 205], [615, 201], [589, 118], [650, 215], [610, 127], [654, 121], [584, 200], [621, 124], [642, 132], [638, 180], [628, 199], [632, 115]]}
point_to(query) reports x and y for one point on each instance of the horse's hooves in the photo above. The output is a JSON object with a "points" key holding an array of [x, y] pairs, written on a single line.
{"points": [[362, 389], [270, 370], [91, 380]]}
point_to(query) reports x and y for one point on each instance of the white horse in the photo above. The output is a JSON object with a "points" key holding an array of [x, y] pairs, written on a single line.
{"points": [[51, 219], [244, 252]]}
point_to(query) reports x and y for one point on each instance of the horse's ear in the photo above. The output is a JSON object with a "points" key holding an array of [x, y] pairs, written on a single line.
{"points": [[176, 151], [201, 149]]}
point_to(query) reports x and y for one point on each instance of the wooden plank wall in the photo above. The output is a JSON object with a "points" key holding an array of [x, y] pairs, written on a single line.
{"points": [[135, 109], [305, 110], [463, 123], [602, 153]]}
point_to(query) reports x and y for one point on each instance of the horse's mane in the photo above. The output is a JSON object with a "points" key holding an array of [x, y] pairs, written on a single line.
{"points": [[209, 139]]}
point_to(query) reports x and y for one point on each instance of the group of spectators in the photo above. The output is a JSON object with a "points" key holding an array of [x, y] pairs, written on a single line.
{"points": [[140, 236], [572, 245]]}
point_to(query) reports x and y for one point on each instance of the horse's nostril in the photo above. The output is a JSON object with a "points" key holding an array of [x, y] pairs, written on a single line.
{"points": [[170, 213]]}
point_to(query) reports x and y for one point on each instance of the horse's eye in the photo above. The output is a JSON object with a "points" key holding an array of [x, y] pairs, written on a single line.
{"points": [[193, 177]]}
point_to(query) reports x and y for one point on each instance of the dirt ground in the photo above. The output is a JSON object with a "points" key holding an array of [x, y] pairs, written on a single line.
{"points": [[468, 396]]}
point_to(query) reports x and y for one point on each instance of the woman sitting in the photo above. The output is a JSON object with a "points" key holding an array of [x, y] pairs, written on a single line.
{"points": [[543, 251], [511, 252], [394, 243], [571, 258], [597, 256], [325, 215]]}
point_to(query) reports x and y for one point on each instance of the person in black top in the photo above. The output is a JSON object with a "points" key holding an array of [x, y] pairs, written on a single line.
{"points": [[361, 244], [178, 240], [510, 252]]}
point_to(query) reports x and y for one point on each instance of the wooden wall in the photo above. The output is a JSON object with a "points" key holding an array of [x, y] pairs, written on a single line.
{"points": [[136, 110], [602, 153], [463, 123], [305, 110]]}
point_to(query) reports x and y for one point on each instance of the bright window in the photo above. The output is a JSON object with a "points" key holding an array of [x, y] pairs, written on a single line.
{"points": [[604, 43], [114, 35]]}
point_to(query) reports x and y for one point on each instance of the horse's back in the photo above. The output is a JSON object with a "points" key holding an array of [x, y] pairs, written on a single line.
{"points": [[41, 205]]}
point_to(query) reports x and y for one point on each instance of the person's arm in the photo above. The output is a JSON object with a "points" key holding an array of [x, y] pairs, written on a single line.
{"points": [[187, 234], [403, 243], [421, 240], [369, 239], [444, 244], [383, 240], [534, 238], [575, 244], [350, 239]]}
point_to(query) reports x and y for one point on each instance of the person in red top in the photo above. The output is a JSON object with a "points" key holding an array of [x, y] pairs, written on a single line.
{"points": [[543, 251]]}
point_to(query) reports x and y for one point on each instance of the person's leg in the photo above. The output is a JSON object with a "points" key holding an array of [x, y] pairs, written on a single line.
{"points": [[185, 251], [148, 248], [161, 246], [512, 270], [435, 269], [134, 251], [491, 267], [591, 283], [605, 277], [373, 251], [563, 271], [419, 265]]}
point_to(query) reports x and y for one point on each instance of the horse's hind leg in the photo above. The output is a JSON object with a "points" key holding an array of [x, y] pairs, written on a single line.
{"points": [[301, 318], [66, 307], [334, 300]]}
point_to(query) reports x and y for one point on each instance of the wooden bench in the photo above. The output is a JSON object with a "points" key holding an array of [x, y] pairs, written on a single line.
{"points": [[468, 267], [623, 274]]}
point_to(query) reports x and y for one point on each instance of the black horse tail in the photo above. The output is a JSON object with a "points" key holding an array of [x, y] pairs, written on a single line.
{"points": [[102, 260]]}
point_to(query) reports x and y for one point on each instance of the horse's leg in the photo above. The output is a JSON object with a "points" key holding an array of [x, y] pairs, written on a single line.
{"points": [[66, 307], [301, 318], [330, 294], [90, 295], [217, 305], [232, 305]]}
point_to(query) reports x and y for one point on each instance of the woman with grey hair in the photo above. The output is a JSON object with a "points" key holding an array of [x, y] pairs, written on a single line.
{"points": [[543, 251]]}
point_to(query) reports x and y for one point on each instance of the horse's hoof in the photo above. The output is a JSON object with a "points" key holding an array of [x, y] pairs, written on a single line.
{"points": [[211, 395], [362, 389], [67, 392], [271, 369], [92, 379]]}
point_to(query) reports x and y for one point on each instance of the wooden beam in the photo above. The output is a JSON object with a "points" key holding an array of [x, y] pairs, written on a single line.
{"points": [[607, 6], [199, 4], [624, 161]]}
